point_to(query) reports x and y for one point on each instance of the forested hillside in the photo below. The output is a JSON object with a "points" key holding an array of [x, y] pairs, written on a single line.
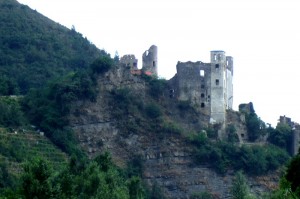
{"points": [[34, 49]]}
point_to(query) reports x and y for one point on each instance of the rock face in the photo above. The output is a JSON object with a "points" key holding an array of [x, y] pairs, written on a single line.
{"points": [[168, 158]]}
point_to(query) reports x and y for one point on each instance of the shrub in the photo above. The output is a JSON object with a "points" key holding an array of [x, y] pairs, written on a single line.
{"points": [[202, 195], [184, 105], [232, 135], [11, 113], [102, 64], [170, 128], [153, 111]]}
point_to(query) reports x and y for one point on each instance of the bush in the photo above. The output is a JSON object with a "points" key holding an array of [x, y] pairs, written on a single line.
{"points": [[153, 111], [232, 135], [170, 128], [11, 113], [280, 136], [102, 65], [157, 86], [202, 195], [253, 160]]}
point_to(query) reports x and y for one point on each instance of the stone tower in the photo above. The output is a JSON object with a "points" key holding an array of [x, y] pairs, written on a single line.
{"points": [[218, 86], [229, 74], [150, 61]]}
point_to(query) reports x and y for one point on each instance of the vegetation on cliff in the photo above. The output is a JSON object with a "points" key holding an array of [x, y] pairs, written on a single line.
{"points": [[34, 49]]}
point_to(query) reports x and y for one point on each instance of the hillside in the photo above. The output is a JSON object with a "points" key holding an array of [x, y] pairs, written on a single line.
{"points": [[133, 117], [124, 133], [34, 49]]}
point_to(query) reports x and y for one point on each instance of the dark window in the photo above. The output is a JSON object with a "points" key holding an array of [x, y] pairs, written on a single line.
{"points": [[202, 86], [217, 66], [202, 95], [202, 105], [154, 64], [217, 82]]}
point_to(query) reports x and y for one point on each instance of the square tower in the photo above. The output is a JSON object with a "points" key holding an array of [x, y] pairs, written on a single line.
{"points": [[218, 86]]}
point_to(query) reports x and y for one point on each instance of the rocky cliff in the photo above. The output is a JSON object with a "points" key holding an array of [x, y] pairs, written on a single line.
{"points": [[167, 156]]}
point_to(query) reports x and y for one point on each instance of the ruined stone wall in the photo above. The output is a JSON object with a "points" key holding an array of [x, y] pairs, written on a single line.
{"points": [[150, 61], [193, 80], [129, 61], [229, 76], [296, 140]]}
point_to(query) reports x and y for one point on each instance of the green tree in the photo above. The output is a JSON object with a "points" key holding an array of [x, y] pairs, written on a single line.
{"points": [[136, 190], [255, 126], [36, 181], [280, 136], [102, 64], [231, 132], [239, 188], [293, 174]]}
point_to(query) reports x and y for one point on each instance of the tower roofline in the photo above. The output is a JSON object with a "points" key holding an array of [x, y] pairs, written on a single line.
{"points": [[215, 51]]}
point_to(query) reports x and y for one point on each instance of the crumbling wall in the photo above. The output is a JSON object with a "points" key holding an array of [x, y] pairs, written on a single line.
{"points": [[193, 80], [129, 61], [229, 77], [150, 61]]}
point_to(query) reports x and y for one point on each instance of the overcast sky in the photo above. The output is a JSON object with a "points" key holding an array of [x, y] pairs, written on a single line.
{"points": [[263, 37]]}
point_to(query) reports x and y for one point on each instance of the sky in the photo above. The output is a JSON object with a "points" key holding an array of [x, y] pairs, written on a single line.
{"points": [[263, 37]]}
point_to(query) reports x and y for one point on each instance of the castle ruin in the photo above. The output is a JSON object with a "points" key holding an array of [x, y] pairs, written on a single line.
{"points": [[207, 85], [149, 62]]}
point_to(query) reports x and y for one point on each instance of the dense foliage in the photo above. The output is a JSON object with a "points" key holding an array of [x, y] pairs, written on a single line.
{"points": [[48, 108], [240, 188], [255, 126], [98, 178], [293, 174], [281, 136], [34, 49], [11, 113], [253, 160]]}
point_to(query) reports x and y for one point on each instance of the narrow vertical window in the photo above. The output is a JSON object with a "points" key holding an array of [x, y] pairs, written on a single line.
{"points": [[217, 82], [202, 73]]}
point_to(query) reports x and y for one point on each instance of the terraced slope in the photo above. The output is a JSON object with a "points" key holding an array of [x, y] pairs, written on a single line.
{"points": [[17, 147]]}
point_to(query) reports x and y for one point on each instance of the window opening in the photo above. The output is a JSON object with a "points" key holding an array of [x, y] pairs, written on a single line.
{"points": [[202, 95], [154, 64], [202, 105], [217, 66], [202, 86], [217, 82], [202, 73]]}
